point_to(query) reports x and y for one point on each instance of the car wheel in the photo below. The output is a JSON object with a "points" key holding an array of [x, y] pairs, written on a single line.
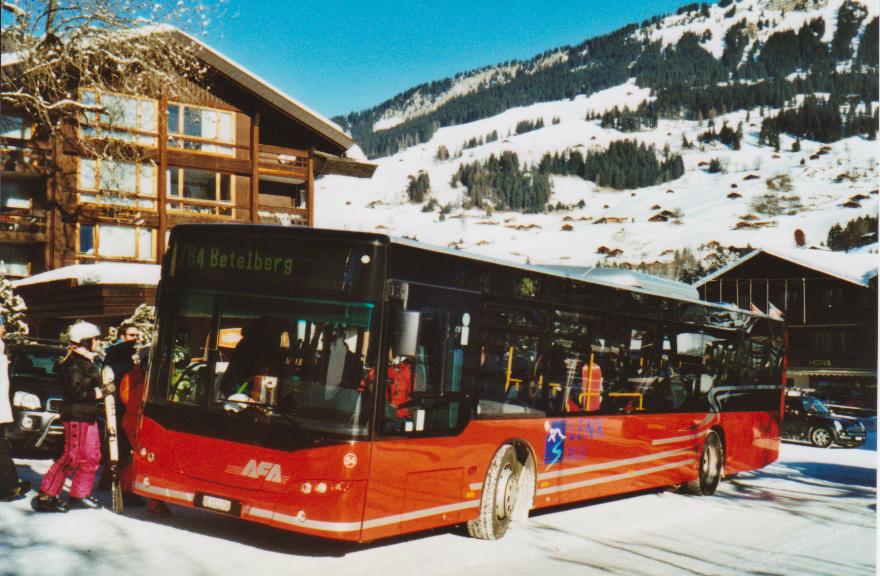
{"points": [[711, 463], [499, 496], [821, 437]]}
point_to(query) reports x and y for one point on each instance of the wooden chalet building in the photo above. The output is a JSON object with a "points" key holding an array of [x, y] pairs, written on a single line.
{"points": [[829, 302], [237, 150]]}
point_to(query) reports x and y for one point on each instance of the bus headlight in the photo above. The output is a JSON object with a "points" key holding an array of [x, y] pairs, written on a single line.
{"points": [[321, 488], [306, 488], [27, 423]]}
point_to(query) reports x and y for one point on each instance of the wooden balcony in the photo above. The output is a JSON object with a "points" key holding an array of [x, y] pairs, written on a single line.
{"points": [[285, 162], [24, 157], [283, 216], [23, 226]]}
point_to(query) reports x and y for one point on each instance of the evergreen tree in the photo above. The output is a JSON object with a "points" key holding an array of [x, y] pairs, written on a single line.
{"points": [[857, 232], [12, 307], [419, 186]]}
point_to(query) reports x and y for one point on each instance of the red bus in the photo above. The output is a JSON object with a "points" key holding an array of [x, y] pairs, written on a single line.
{"points": [[352, 386]]}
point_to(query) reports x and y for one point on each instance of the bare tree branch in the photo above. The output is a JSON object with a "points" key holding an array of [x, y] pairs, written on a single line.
{"points": [[63, 47]]}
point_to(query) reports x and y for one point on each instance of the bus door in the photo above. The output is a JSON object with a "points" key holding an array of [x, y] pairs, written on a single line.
{"points": [[418, 471]]}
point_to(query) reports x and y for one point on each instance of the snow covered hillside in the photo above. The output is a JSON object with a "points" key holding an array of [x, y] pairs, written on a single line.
{"points": [[711, 207], [729, 196], [773, 15]]}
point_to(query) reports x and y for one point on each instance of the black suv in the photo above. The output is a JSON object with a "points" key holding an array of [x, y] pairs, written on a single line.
{"points": [[807, 418], [36, 395]]}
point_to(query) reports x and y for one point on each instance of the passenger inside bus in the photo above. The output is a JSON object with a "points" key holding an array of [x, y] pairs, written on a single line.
{"points": [[399, 383], [258, 353]]}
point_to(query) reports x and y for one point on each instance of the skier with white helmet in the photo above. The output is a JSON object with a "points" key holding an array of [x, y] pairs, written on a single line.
{"points": [[82, 384]]}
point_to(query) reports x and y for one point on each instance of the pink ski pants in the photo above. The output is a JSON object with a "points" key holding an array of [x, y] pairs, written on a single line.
{"points": [[81, 457]]}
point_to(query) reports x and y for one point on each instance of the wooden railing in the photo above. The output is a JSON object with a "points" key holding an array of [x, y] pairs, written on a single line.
{"points": [[277, 159], [283, 216], [30, 225], [24, 156]]}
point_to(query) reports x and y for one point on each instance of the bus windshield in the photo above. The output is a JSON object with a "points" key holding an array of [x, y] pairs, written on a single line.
{"points": [[301, 361]]}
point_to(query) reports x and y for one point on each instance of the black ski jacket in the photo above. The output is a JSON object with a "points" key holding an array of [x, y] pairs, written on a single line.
{"points": [[79, 378]]}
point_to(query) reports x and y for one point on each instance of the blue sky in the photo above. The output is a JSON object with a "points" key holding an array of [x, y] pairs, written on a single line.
{"points": [[337, 57]]}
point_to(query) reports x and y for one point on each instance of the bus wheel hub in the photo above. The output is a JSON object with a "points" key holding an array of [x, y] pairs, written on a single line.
{"points": [[505, 494]]}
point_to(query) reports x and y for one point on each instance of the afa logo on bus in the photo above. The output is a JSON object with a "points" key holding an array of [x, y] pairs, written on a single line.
{"points": [[560, 446]]}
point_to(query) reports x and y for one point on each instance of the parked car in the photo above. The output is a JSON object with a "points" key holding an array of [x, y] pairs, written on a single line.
{"points": [[808, 418], [36, 395]]}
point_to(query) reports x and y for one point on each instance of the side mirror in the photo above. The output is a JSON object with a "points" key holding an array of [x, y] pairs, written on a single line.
{"points": [[406, 332]]}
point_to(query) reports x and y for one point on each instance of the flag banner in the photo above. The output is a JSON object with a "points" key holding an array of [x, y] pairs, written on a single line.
{"points": [[773, 311]]}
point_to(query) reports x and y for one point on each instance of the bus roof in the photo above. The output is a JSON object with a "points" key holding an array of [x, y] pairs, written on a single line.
{"points": [[610, 277]]}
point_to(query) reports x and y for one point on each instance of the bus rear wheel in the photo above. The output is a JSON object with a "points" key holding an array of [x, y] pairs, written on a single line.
{"points": [[711, 462], [500, 494]]}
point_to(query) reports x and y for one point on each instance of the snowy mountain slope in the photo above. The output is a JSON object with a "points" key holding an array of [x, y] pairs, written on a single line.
{"points": [[774, 16], [819, 185], [420, 102], [594, 60], [823, 183]]}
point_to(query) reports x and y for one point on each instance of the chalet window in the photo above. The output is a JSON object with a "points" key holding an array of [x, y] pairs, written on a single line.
{"points": [[15, 127], [16, 194], [14, 260], [201, 129], [200, 191], [113, 241], [104, 181], [128, 118]]}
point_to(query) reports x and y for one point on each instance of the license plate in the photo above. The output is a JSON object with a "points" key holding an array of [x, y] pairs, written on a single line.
{"points": [[858, 437], [214, 503]]}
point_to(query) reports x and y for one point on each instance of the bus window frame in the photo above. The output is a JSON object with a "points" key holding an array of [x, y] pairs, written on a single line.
{"points": [[466, 396]]}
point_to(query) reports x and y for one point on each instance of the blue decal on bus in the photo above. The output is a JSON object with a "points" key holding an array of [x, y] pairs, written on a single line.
{"points": [[571, 447], [554, 446]]}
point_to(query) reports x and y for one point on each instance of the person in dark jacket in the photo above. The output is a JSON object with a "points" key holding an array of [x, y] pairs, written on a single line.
{"points": [[120, 359], [83, 389]]}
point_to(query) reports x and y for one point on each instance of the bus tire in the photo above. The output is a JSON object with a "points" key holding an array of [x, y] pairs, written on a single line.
{"points": [[710, 467], [500, 494], [821, 437]]}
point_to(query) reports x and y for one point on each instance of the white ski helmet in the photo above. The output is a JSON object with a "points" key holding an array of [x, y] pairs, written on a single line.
{"points": [[83, 331]]}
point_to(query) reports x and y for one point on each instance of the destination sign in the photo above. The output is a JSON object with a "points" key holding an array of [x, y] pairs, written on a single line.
{"points": [[214, 257], [273, 263]]}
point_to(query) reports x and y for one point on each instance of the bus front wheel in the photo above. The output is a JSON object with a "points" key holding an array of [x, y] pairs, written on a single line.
{"points": [[711, 462], [500, 494]]}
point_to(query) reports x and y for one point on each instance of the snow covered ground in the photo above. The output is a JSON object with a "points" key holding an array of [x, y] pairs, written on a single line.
{"points": [[811, 513]]}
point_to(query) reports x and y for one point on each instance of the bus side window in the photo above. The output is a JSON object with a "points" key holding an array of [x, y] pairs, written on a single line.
{"points": [[573, 367], [423, 391], [508, 379], [687, 370]]}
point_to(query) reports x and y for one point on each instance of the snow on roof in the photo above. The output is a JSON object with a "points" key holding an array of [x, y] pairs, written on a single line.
{"points": [[99, 273], [854, 267]]}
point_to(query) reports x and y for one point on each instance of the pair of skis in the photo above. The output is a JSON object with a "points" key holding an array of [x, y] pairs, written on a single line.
{"points": [[112, 442], [113, 450]]}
